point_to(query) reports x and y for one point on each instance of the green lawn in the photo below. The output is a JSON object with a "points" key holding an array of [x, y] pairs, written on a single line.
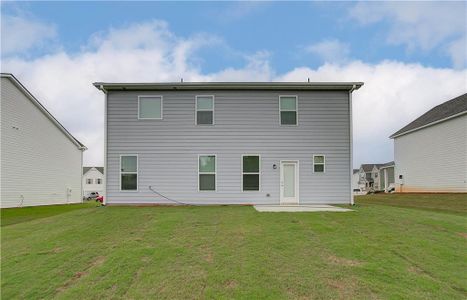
{"points": [[379, 251], [13, 215]]}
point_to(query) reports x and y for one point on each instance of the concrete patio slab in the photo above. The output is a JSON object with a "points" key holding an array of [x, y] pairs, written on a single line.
{"points": [[300, 208]]}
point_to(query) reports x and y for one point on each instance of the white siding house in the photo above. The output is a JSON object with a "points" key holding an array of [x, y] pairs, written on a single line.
{"points": [[386, 177], [431, 152], [40, 160], [93, 180]]}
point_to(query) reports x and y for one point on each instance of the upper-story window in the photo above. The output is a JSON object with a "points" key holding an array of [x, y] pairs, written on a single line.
{"points": [[288, 110], [150, 107], [204, 110], [99, 181], [89, 181], [319, 162]]}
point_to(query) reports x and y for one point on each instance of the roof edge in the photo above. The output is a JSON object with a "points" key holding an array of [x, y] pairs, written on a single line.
{"points": [[394, 135], [346, 86], [36, 102]]}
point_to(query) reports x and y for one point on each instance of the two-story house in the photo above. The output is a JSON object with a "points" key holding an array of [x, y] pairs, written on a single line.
{"points": [[228, 143], [40, 161], [93, 180], [430, 153], [369, 177], [376, 177]]}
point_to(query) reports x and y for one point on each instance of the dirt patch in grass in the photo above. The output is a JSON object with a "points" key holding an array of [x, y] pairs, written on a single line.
{"points": [[98, 261], [231, 284], [345, 289], [416, 270], [209, 257], [463, 234], [53, 251], [344, 261]]}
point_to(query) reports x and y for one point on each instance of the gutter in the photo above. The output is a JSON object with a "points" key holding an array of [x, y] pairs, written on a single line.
{"points": [[342, 86]]}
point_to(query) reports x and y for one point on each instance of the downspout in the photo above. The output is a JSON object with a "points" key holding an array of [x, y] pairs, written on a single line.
{"points": [[81, 173], [354, 87], [105, 144]]}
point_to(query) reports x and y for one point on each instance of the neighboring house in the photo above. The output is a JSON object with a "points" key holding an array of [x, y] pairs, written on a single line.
{"points": [[386, 176], [369, 177], [40, 160], [355, 179], [430, 153], [93, 180], [228, 143], [376, 177]]}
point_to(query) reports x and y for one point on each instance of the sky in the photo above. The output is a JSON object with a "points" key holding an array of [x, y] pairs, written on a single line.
{"points": [[411, 55]]}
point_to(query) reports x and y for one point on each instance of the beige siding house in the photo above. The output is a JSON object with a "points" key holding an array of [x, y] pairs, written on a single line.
{"points": [[369, 177], [431, 152], [40, 160]]}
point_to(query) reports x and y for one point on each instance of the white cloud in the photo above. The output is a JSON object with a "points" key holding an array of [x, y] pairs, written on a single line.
{"points": [[420, 25], [394, 93], [21, 33], [331, 50]]}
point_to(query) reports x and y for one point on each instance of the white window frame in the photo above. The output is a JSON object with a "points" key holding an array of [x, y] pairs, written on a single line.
{"points": [[151, 96], [89, 181], [324, 163], [121, 173], [213, 110], [281, 110], [208, 173], [249, 173]]}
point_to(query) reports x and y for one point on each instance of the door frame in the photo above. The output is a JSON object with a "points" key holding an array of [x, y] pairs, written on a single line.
{"points": [[297, 182]]}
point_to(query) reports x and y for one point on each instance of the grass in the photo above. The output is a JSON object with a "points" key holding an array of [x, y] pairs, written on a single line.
{"points": [[11, 216], [453, 203], [379, 251]]}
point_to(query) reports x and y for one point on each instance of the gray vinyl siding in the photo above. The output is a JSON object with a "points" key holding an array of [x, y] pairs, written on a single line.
{"points": [[246, 122], [38, 162]]}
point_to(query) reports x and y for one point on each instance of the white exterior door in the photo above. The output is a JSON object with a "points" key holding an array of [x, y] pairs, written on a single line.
{"points": [[289, 182]]}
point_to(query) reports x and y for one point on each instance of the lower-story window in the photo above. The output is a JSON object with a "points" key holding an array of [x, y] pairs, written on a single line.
{"points": [[251, 170], [207, 172], [128, 172], [319, 162]]}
